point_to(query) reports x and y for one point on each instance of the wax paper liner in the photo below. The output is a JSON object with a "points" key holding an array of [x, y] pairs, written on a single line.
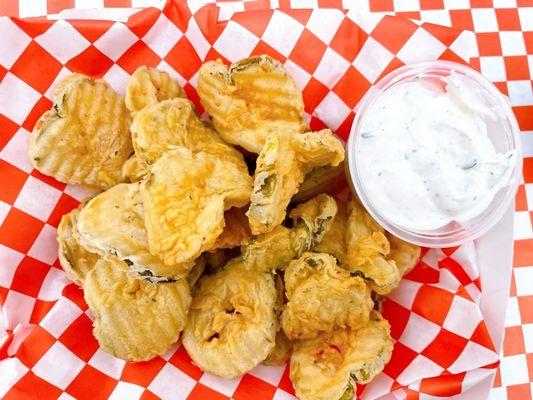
{"points": [[442, 345]]}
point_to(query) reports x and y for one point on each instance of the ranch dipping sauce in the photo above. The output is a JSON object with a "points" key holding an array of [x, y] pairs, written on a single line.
{"points": [[424, 155]]}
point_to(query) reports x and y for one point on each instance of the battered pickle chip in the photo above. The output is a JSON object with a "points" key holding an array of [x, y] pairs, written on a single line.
{"points": [[185, 196], [134, 320], [328, 367], [236, 230], [149, 86], [250, 100], [134, 169], [325, 179], [85, 138], [334, 240], [231, 326], [281, 168], [112, 223], [73, 257], [197, 271], [322, 297], [281, 352], [404, 254]]}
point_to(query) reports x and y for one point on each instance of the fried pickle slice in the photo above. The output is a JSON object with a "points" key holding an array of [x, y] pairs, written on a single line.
{"points": [[281, 168], [75, 259], [149, 86], [328, 367], [325, 179], [231, 326], [197, 270], [251, 99], [185, 196], [282, 350], [322, 297], [134, 320], [405, 255], [112, 223], [236, 230], [85, 138], [134, 169]]}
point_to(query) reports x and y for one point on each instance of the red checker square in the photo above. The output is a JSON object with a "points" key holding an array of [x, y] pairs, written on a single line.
{"points": [[394, 64], [252, 387], [56, 6], [285, 381], [181, 360], [301, 15], [39, 76], [187, 65], [433, 303], [12, 180], [489, 44], [308, 51], [212, 54], [525, 118], [513, 342], [381, 5], [313, 93], [525, 304], [403, 29], [409, 14], [397, 316], [508, 19], [402, 356], [528, 169], [519, 392], [40, 309], [3, 72], [455, 268], [9, 8], [330, 4], [497, 378], [75, 294], [19, 230], [265, 48], [192, 95], [141, 22], [481, 3], [445, 348], [92, 30], [91, 62], [35, 346], [424, 273], [142, 373], [29, 276], [201, 392], [42, 105], [343, 131], [63, 206], [443, 386], [517, 68], [528, 39], [137, 55], [316, 124], [512, 290], [8, 129], [30, 387], [48, 179], [255, 22], [91, 384], [529, 359], [147, 395], [351, 87], [523, 252], [431, 4], [117, 3], [502, 87], [79, 339], [257, 5], [446, 35], [462, 19], [348, 39]]}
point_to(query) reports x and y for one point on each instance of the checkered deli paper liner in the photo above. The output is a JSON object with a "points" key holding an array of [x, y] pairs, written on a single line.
{"points": [[47, 351]]}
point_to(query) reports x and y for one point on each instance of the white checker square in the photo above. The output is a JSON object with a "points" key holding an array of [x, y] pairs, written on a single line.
{"points": [[31, 8], [53, 41], [365, 20], [15, 151], [45, 246], [282, 32], [498, 393], [419, 333], [455, 320], [465, 45], [13, 41], [228, 9], [269, 373], [172, 384], [456, 4], [63, 72], [439, 17], [58, 319], [117, 78], [125, 390], [235, 33], [17, 309], [484, 20], [332, 110], [88, 4], [197, 39], [331, 68], [380, 386], [65, 396], [420, 367], [514, 370], [527, 151], [526, 18], [107, 364], [406, 5], [53, 285], [520, 93], [225, 386], [148, 3], [524, 280], [405, 293], [527, 330], [372, 59], [281, 394], [37, 198], [324, 23], [11, 370], [512, 316], [9, 260], [162, 36], [58, 366], [116, 41], [513, 43], [421, 46], [300, 76], [522, 225], [505, 4], [529, 186], [4, 210], [493, 68], [473, 356], [27, 96], [304, 3]]}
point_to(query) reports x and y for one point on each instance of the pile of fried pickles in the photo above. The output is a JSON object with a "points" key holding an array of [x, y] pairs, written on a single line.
{"points": [[220, 231]]}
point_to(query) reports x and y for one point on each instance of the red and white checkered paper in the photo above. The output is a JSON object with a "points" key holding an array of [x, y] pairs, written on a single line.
{"points": [[442, 345]]}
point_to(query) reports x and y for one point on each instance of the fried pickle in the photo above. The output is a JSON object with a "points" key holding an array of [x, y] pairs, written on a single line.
{"points": [[404, 254], [251, 99], [236, 230], [134, 169], [85, 138], [325, 179], [134, 320], [328, 367], [281, 352], [281, 168], [185, 196], [322, 297]]}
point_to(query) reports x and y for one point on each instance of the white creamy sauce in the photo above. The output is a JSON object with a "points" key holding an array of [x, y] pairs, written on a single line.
{"points": [[424, 155]]}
